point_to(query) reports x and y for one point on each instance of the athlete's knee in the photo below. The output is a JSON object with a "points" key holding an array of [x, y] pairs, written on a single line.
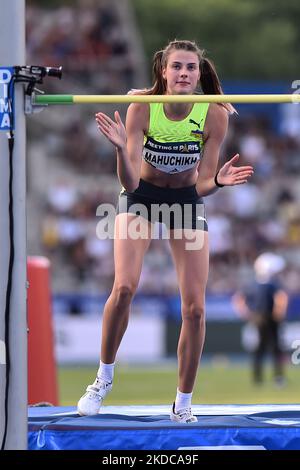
{"points": [[193, 311], [123, 294]]}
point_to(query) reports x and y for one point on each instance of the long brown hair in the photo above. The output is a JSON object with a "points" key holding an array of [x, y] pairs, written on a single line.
{"points": [[209, 80]]}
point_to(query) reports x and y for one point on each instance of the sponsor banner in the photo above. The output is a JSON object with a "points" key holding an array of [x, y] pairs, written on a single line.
{"points": [[5, 77], [77, 339]]}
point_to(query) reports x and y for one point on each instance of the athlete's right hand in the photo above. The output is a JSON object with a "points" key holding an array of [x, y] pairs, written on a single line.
{"points": [[114, 130]]}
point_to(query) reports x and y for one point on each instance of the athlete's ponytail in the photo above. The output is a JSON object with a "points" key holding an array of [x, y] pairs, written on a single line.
{"points": [[209, 79], [210, 82], [158, 87]]}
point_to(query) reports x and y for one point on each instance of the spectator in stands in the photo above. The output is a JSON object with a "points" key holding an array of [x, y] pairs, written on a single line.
{"points": [[265, 304], [179, 166]]}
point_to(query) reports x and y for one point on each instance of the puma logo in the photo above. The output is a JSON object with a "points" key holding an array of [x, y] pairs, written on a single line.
{"points": [[191, 121]]}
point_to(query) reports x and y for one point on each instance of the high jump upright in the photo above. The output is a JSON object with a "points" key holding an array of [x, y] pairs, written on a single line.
{"points": [[13, 324]]}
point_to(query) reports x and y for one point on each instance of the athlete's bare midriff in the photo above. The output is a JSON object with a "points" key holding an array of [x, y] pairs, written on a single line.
{"points": [[165, 180]]}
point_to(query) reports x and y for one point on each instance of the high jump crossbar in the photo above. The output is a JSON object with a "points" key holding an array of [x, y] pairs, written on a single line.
{"points": [[131, 98]]}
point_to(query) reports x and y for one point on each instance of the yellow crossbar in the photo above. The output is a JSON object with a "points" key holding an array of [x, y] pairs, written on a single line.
{"points": [[84, 99]]}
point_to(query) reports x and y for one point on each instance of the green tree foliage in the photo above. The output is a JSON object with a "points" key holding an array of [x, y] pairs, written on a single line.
{"points": [[246, 39]]}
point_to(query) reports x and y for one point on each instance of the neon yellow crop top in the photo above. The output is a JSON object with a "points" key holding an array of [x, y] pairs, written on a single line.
{"points": [[174, 146]]}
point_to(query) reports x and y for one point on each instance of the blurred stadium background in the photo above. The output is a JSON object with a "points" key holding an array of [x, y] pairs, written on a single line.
{"points": [[105, 47]]}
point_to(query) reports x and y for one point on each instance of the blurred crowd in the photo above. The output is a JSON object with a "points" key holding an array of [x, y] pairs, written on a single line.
{"points": [[264, 214], [245, 220], [87, 38]]}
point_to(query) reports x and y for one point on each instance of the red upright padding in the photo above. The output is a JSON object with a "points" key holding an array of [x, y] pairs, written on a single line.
{"points": [[42, 379]]}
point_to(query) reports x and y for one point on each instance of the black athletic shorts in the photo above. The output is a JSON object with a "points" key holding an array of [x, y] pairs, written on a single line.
{"points": [[176, 208]]}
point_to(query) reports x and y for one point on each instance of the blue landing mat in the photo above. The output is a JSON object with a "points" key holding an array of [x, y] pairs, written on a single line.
{"points": [[265, 427]]}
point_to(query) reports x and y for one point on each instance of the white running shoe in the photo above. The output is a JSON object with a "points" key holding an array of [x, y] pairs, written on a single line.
{"points": [[90, 403], [183, 416]]}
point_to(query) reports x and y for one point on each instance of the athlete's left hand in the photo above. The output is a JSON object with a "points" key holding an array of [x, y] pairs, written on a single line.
{"points": [[230, 175]]}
